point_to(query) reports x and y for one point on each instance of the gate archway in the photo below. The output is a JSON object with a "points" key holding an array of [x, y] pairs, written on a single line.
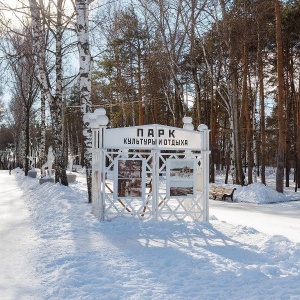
{"points": [[150, 171]]}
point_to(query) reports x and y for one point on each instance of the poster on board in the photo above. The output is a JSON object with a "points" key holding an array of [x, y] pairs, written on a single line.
{"points": [[180, 177], [129, 176]]}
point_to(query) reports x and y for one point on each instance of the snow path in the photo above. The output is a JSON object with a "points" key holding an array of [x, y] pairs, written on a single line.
{"points": [[18, 277], [281, 218]]}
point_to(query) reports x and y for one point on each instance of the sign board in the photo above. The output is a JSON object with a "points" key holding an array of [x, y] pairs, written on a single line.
{"points": [[152, 137], [181, 177], [129, 177]]}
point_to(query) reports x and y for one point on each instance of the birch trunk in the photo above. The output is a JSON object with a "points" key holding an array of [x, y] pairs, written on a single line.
{"points": [[42, 154], [57, 106], [82, 11]]}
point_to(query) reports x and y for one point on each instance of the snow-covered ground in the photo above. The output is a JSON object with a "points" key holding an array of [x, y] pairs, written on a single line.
{"points": [[262, 208], [52, 247]]}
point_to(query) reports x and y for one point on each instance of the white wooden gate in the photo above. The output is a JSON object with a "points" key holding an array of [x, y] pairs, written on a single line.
{"points": [[162, 174]]}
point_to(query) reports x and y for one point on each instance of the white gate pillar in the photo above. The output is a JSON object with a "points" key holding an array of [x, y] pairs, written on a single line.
{"points": [[204, 148], [155, 183], [97, 122]]}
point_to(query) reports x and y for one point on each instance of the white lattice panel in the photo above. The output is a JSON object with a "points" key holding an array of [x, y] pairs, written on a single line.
{"points": [[155, 202]]}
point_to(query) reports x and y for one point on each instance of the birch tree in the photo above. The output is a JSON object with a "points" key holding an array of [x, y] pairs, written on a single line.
{"points": [[85, 59], [42, 153], [52, 94]]}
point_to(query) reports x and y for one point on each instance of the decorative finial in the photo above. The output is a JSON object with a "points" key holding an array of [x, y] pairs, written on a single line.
{"points": [[187, 123]]}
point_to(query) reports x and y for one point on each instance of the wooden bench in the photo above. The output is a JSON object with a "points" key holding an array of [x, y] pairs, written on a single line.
{"points": [[221, 192]]}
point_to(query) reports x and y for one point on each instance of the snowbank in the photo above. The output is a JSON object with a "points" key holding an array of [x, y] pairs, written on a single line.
{"points": [[259, 193]]}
